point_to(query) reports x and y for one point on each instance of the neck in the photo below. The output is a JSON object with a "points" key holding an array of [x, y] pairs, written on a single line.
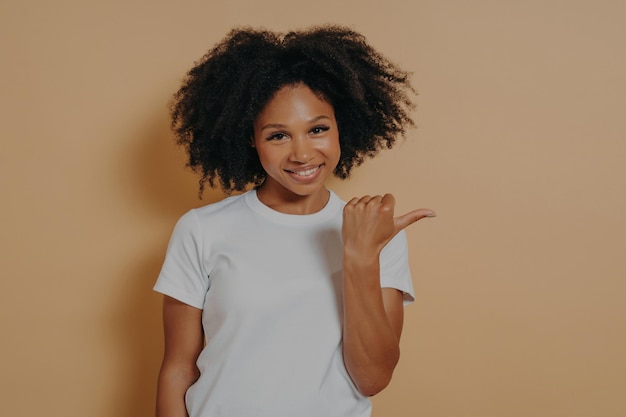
{"points": [[289, 203]]}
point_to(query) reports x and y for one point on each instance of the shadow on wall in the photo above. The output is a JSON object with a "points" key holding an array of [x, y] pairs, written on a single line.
{"points": [[160, 181], [159, 189]]}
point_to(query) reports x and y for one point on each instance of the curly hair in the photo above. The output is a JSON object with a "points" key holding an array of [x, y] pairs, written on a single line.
{"points": [[214, 110]]}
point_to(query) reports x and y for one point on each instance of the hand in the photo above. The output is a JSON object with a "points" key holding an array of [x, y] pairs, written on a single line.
{"points": [[369, 224]]}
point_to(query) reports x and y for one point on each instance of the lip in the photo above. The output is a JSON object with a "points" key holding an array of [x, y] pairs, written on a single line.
{"points": [[296, 174]]}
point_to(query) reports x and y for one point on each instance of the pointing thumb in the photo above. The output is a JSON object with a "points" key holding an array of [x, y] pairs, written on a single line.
{"points": [[411, 217]]}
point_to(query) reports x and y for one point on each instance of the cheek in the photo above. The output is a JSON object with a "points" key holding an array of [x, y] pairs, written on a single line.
{"points": [[267, 157], [334, 148]]}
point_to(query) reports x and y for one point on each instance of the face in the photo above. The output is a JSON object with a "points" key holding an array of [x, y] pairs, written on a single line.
{"points": [[297, 140]]}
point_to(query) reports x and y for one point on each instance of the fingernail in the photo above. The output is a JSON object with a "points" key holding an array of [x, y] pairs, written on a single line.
{"points": [[433, 214]]}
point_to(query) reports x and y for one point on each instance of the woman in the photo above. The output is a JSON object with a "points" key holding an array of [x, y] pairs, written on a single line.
{"points": [[285, 301]]}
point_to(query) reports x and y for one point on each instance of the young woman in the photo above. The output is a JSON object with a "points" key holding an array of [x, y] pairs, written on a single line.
{"points": [[285, 301]]}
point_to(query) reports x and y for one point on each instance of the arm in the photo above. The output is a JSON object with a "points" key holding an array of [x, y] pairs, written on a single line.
{"points": [[182, 325], [373, 316]]}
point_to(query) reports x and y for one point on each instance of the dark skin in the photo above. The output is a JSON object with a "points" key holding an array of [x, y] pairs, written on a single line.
{"points": [[297, 140], [373, 316], [184, 340]]}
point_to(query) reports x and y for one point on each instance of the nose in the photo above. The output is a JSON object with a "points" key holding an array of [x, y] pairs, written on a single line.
{"points": [[301, 150]]}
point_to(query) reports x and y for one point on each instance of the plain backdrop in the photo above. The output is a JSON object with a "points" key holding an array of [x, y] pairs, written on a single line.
{"points": [[520, 147]]}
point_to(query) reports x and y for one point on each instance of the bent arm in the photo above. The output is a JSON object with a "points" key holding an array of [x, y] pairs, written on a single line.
{"points": [[182, 326], [372, 316]]}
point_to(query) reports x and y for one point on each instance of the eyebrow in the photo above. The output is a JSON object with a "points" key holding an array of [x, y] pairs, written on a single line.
{"points": [[280, 126]]}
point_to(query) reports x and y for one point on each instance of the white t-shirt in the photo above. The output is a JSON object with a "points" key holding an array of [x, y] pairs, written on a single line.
{"points": [[270, 287]]}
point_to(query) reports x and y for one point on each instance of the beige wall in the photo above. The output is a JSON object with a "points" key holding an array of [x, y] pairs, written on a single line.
{"points": [[520, 148]]}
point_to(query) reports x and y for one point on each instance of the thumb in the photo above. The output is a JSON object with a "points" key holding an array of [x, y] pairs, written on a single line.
{"points": [[411, 217]]}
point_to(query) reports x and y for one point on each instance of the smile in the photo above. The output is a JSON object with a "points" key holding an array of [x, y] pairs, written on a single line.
{"points": [[305, 172]]}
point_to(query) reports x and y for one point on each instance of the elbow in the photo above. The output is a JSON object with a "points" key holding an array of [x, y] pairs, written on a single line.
{"points": [[372, 387], [376, 380], [371, 377]]}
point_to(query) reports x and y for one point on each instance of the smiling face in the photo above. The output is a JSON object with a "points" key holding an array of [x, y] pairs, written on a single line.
{"points": [[297, 140]]}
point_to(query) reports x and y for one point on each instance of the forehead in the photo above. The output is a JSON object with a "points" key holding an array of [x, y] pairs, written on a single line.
{"points": [[292, 103]]}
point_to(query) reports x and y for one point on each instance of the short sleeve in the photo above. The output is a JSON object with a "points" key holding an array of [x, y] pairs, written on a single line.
{"points": [[394, 267], [182, 275]]}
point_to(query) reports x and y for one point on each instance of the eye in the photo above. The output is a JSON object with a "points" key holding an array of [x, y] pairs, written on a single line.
{"points": [[276, 136], [319, 129]]}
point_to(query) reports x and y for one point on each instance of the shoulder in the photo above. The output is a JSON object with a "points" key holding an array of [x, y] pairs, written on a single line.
{"points": [[197, 219], [221, 209]]}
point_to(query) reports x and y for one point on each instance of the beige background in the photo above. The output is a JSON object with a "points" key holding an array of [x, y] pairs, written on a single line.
{"points": [[520, 148]]}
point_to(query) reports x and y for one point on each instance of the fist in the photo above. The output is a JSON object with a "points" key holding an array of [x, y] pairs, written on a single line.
{"points": [[369, 223]]}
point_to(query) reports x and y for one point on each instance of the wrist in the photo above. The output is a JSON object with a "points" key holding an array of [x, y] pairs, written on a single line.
{"points": [[361, 261], [361, 264], [363, 256]]}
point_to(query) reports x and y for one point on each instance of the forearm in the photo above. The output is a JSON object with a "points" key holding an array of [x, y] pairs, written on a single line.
{"points": [[172, 385], [370, 343]]}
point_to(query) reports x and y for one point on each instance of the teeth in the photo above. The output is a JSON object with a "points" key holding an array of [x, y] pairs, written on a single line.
{"points": [[307, 172]]}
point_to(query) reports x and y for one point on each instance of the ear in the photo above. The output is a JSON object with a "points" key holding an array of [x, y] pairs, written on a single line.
{"points": [[252, 145]]}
